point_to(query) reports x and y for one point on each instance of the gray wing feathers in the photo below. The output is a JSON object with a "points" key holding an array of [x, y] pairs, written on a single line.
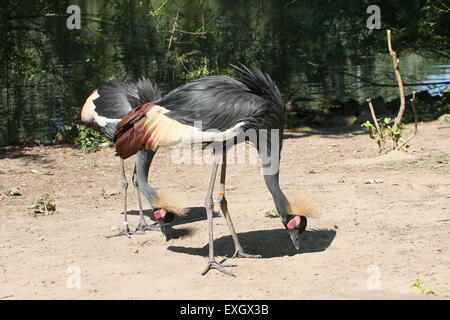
{"points": [[116, 99], [220, 102]]}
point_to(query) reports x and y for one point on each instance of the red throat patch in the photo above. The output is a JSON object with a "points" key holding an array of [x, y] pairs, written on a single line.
{"points": [[294, 223], [161, 213]]}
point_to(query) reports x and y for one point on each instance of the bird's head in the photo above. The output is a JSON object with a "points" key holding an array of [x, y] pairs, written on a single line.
{"points": [[163, 216], [295, 225], [301, 205], [168, 204]]}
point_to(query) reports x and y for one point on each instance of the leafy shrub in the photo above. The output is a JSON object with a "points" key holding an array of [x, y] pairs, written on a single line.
{"points": [[429, 110], [43, 205], [388, 128], [86, 138]]}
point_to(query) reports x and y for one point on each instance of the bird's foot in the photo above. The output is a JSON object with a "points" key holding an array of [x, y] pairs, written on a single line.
{"points": [[239, 253], [219, 266], [124, 232], [143, 226]]}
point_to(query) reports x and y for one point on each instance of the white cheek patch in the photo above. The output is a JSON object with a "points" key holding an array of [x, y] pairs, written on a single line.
{"points": [[294, 223]]}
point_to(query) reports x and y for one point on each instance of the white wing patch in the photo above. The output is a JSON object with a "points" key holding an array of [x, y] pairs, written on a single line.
{"points": [[88, 113], [162, 131], [88, 110]]}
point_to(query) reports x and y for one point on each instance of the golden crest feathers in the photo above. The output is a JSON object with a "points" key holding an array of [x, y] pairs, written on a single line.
{"points": [[302, 204], [170, 200]]}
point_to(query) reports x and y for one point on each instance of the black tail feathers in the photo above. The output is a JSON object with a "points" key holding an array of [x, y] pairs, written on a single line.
{"points": [[260, 84], [147, 91]]}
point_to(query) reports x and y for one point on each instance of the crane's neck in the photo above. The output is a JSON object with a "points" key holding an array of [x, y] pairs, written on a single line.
{"points": [[269, 149], [281, 202]]}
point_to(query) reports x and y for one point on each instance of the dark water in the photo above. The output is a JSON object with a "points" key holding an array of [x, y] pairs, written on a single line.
{"points": [[40, 106], [414, 68], [427, 72]]}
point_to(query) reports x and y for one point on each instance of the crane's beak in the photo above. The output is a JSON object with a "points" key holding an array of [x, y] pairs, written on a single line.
{"points": [[159, 215], [162, 226], [295, 237]]}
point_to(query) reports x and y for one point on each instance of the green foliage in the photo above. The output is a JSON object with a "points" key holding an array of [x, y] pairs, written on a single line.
{"points": [[429, 109], [47, 69], [86, 138], [417, 287], [291, 121], [272, 214], [388, 128], [43, 205], [393, 129], [370, 127]]}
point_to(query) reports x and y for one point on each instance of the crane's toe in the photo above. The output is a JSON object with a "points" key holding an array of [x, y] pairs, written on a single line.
{"points": [[239, 253], [143, 226], [124, 232], [219, 266]]}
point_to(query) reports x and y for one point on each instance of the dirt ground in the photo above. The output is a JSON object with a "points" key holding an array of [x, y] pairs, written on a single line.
{"points": [[371, 241]]}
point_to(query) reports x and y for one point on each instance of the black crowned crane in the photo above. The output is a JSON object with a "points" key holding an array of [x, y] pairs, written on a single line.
{"points": [[227, 108], [103, 109]]}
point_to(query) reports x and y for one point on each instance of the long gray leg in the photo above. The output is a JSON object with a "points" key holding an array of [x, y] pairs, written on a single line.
{"points": [[125, 228], [142, 224], [209, 205], [239, 252]]}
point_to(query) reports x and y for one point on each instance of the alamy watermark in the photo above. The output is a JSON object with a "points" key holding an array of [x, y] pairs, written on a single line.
{"points": [[374, 279], [74, 279], [74, 20], [253, 146], [374, 20]]}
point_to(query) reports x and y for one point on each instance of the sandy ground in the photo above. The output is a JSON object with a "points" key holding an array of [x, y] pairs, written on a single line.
{"points": [[371, 241]]}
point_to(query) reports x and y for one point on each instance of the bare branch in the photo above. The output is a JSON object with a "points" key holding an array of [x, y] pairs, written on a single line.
{"points": [[172, 32], [374, 117], [192, 32], [416, 120], [398, 76]]}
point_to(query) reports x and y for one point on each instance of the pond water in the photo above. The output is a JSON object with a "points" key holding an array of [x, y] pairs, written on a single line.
{"points": [[312, 34], [355, 79]]}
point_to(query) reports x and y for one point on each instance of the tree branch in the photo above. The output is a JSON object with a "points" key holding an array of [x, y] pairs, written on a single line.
{"points": [[416, 120], [374, 117], [172, 32], [398, 76]]}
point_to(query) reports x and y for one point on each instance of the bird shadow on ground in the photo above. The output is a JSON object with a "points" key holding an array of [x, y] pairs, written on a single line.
{"points": [[267, 243], [193, 214], [178, 233]]}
